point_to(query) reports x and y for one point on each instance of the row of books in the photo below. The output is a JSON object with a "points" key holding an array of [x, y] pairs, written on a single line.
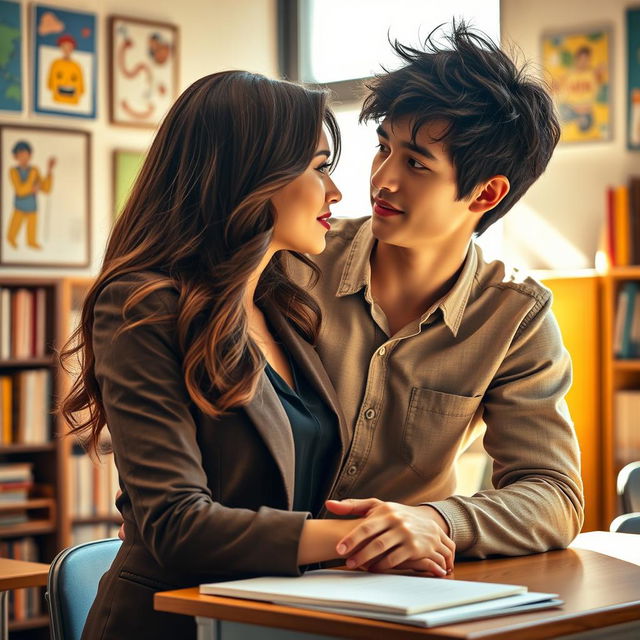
{"points": [[25, 403], [16, 483], [82, 533], [23, 603], [23, 323], [626, 335], [93, 485], [627, 433]]}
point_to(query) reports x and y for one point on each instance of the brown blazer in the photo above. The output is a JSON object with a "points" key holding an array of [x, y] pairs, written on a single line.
{"points": [[203, 499]]}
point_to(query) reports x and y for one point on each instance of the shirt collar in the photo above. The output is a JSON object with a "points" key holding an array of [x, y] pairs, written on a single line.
{"points": [[356, 274]]}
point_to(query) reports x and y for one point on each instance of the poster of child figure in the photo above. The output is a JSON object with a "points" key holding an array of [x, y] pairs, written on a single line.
{"points": [[64, 62], [10, 57], [27, 182], [44, 197], [633, 66], [577, 65]]}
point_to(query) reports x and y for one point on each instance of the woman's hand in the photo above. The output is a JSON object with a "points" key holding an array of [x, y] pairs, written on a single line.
{"points": [[395, 536]]}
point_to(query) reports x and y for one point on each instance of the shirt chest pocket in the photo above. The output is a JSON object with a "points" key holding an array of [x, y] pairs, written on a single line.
{"points": [[434, 428]]}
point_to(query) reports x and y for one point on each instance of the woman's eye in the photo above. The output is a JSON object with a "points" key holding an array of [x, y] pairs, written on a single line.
{"points": [[323, 168], [381, 148]]}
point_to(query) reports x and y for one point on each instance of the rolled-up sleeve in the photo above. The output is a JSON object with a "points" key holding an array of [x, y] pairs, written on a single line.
{"points": [[537, 503]]}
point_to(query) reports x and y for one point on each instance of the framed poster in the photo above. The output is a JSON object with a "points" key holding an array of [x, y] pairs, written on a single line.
{"points": [[45, 198], [126, 165], [64, 62], [577, 64], [633, 82], [143, 70], [11, 93]]}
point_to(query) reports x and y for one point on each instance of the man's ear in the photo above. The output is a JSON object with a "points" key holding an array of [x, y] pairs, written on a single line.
{"points": [[490, 195]]}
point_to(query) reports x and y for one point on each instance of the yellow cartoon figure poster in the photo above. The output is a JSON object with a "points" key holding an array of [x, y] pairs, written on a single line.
{"points": [[577, 69], [64, 57]]}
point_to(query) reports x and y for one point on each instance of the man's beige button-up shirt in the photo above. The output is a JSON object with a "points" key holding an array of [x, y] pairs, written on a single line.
{"points": [[489, 352]]}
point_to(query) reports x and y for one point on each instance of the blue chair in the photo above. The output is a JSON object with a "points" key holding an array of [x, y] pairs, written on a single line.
{"points": [[629, 487], [626, 523], [73, 583]]}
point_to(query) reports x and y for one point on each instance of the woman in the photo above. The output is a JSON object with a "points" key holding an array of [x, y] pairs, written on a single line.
{"points": [[195, 350]]}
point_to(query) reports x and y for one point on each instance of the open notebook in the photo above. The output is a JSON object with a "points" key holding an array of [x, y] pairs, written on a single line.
{"points": [[360, 591]]}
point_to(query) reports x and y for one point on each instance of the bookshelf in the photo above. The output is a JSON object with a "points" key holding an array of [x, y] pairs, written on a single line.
{"points": [[31, 457], [91, 485], [618, 374]]}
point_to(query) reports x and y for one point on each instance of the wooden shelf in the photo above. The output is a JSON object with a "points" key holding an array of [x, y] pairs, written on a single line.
{"points": [[29, 623], [621, 273], [9, 449], [30, 528], [27, 505], [28, 363], [626, 365], [101, 519]]}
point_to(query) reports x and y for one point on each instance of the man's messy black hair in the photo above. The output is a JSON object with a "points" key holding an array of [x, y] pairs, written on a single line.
{"points": [[500, 121]]}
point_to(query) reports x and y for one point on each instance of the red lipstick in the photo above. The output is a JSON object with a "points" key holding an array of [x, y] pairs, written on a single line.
{"points": [[324, 220]]}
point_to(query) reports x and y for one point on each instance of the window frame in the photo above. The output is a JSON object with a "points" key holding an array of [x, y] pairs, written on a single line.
{"points": [[344, 91]]}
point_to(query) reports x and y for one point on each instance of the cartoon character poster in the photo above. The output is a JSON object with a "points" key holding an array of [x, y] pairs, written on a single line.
{"points": [[64, 60], [633, 86], [44, 197], [577, 65], [10, 57], [144, 70]]}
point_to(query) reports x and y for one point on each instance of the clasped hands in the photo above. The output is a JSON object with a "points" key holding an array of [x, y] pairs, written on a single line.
{"points": [[392, 536]]}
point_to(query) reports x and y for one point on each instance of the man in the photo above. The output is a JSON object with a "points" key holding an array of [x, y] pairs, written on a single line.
{"points": [[424, 341]]}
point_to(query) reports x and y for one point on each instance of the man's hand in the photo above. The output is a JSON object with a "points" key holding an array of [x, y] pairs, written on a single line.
{"points": [[395, 536]]}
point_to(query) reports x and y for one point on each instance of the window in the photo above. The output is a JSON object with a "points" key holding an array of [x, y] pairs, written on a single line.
{"points": [[338, 44]]}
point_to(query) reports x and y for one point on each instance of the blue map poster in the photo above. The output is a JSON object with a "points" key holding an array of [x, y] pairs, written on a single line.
{"points": [[633, 85], [64, 60], [10, 57]]}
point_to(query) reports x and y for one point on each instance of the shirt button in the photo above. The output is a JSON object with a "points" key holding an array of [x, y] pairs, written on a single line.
{"points": [[382, 351], [369, 414], [352, 470]]}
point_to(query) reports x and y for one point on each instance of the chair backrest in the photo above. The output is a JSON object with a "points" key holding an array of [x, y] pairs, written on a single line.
{"points": [[629, 487], [626, 523], [73, 583]]}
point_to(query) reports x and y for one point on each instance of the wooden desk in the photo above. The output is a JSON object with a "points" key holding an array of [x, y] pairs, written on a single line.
{"points": [[599, 591], [16, 574]]}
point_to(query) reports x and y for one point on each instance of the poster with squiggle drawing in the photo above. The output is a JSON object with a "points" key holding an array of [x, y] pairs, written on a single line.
{"points": [[144, 70]]}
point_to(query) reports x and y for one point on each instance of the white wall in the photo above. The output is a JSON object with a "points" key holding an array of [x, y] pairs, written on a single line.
{"points": [[558, 223], [214, 35]]}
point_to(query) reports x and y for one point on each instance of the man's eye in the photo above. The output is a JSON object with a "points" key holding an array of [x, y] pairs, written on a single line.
{"points": [[416, 165], [382, 148]]}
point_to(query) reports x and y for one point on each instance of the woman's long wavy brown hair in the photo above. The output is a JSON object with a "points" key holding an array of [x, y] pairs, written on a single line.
{"points": [[200, 216]]}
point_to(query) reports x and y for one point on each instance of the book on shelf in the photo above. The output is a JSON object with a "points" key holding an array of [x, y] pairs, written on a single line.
{"points": [[626, 335], [25, 398], [627, 410], [82, 532], [622, 223], [93, 485], [382, 593], [23, 322]]}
